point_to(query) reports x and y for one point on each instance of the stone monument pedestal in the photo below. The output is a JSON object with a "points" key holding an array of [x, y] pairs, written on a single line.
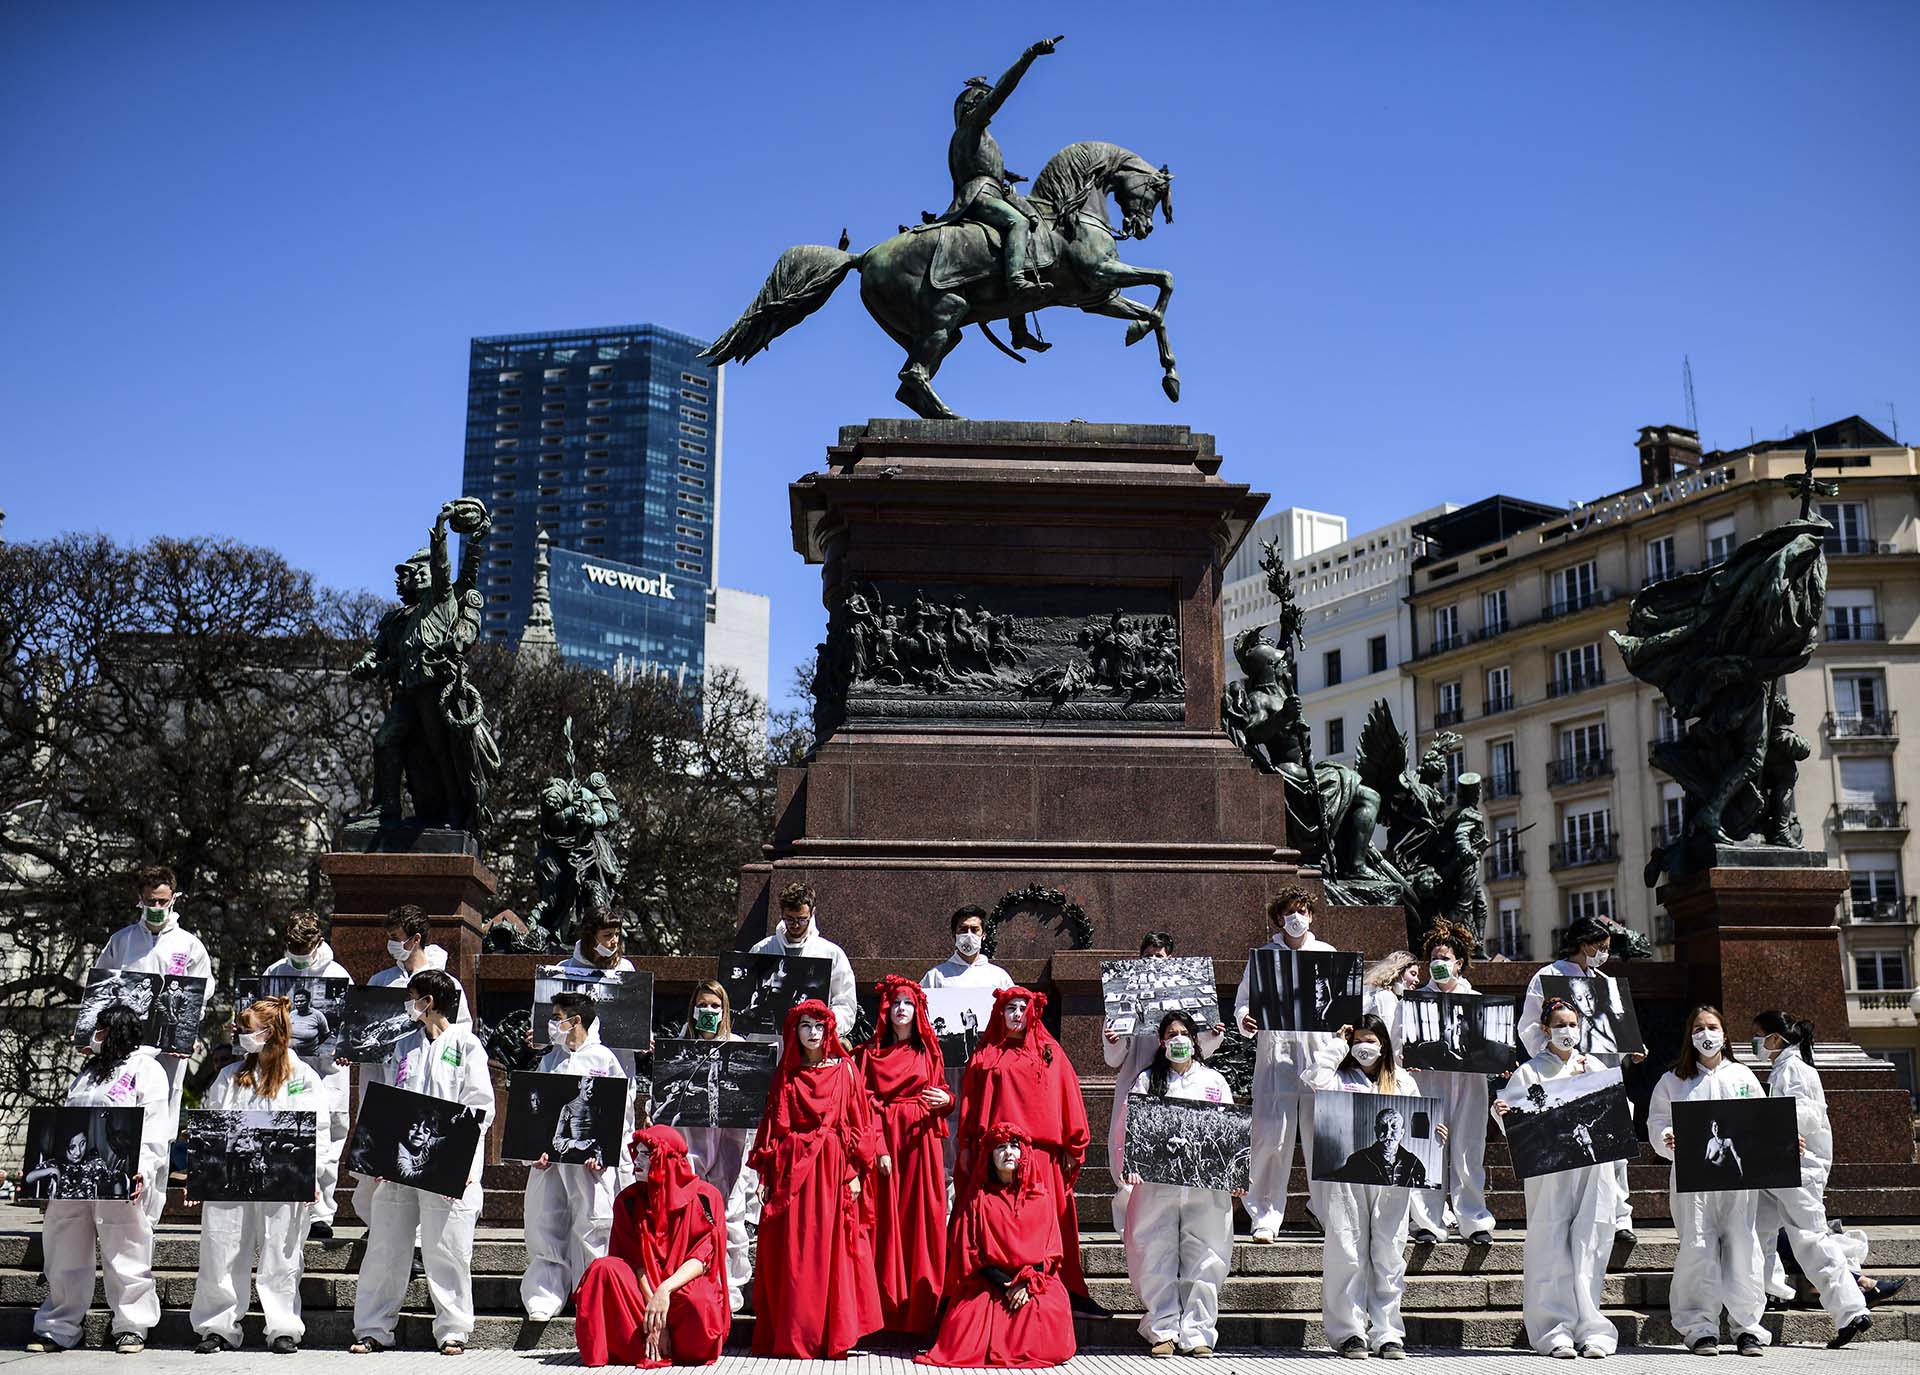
{"points": [[455, 890]]}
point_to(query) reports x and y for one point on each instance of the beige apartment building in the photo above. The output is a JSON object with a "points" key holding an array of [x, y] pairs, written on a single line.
{"points": [[1510, 609]]}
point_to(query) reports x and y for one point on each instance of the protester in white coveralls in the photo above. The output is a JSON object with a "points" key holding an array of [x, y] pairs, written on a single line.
{"points": [[1282, 1103], [271, 1078], [119, 1073], [1787, 1042], [599, 951], [1719, 1264], [1128, 1055], [1447, 951], [569, 1208], [442, 1059], [1583, 951], [309, 956], [967, 967], [1569, 1217], [156, 943], [799, 934], [718, 1155], [1179, 1241], [1364, 1260]]}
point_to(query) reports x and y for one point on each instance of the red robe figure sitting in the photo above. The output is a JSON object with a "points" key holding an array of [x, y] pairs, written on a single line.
{"points": [[1006, 1305], [1019, 1075], [813, 1288], [903, 1071], [659, 1295]]}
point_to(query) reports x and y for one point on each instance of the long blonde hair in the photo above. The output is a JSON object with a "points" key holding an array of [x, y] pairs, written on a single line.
{"points": [[719, 990], [1387, 972], [267, 1070]]}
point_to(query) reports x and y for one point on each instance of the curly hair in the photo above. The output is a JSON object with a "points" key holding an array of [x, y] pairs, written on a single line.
{"points": [[1287, 899], [1445, 933], [797, 895]]}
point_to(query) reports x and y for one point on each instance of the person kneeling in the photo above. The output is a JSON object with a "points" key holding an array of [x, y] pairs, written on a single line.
{"points": [[659, 1295]]}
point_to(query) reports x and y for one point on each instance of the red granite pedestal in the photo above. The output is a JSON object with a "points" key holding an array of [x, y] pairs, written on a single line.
{"points": [[456, 892]]}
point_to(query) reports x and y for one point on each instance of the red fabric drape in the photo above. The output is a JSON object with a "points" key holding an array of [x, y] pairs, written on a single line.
{"points": [[814, 1289], [1029, 1083], [909, 1205], [1013, 1228], [659, 1224]]}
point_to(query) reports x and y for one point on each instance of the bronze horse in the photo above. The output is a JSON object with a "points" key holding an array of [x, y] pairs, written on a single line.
{"points": [[897, 275]]}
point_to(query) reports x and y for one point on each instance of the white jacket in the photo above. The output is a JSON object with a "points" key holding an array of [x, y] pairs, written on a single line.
{"points": [[1286, 1054], [840, 988], [1533, 1036], [591, 1058], [1198, 1085], [953, 972], [452, 1067], [436, 959], [1792, 1077], [1728, 1079], [139, 1082], [1326, 1074]]}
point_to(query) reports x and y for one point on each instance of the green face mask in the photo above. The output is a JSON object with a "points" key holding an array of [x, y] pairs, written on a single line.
{"points": [[1442, 970], [1179, 1049], [706, 1019], [155, 916]]}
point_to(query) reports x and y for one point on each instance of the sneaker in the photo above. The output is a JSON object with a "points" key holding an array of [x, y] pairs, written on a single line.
{"points": [[1202, 1352], [1563, 1353], [320, 1231], [1354, 1348], [42, 1344], [1849, 1332], [212, 1344], [1706, 1346], [1426, 1236], [1594, 1353], [1265, 1235], [283, 1346], [1480, 1239], [129, 1343], [1161, 1350], [1749, 1345], [1391, 1351]]}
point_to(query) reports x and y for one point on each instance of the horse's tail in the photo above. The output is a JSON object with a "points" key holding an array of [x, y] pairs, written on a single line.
{"points": [[798, 285]]}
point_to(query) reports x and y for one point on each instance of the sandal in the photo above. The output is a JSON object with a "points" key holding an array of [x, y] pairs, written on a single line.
{"points": [[365, 1346], [453, 1348]]}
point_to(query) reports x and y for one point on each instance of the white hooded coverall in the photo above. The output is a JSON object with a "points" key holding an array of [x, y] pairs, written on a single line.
{"points": [[718, 1155], [1364, 1258], [231, 1233], [452, 1067], [1533, 1040], [1719, 1264], [1569, 1235], [1179, 1241], [1463, 1097], [1802, 1211], [336, 1082], [842, 996], [954, 972], [568, 1212], [1282, 1102], [1129, 1057], [173, 950], [122, 1228]]}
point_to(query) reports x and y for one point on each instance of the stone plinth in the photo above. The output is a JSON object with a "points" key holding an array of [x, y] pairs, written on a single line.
{"points": [[456, 891]]}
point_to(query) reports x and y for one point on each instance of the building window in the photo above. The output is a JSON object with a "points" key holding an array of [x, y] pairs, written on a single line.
{"points": [[1499, 689], [1849, 522], [1456, 762], [1673, 815], [1377, 654], [1852, 614], [1330, 662], [1575, 669], [1513, 931], [1866, 781], [1446, 705], [1503, 770], [1877, 970], [1860, 704], [1660, 561], [1583, 743], [1574, 588], [1337, 735], [693, 379], [1586, 836], [1875, 890], [1589, 902], [1493, 612], [1720, 536], [1446, 627]]}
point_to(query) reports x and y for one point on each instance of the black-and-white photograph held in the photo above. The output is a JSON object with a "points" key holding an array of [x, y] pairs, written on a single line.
{"points": [[1608, 1023], [250, 1155], [316, 1012], [762, 989], [622, 1004], [1459, 1033], [168, 1006], [410, 1138], [1138, 993], [372, 1021], [1564, 1124], [959, 1018], [1304, 990], [1723, 1144], [81, 1152], [568, 1118], [1387, 1139], [1196, 1145], [712, 1083]]}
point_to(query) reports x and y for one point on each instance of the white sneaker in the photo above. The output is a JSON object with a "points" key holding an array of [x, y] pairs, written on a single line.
{"points": [[541, 1313], [1266, 1235]]}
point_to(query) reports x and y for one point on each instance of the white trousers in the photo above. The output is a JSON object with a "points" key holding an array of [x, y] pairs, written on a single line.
{"points": [[1569, 1238], [1464, 1097], [1364, 1263], [718, 1156], [1622, 1198], [124, 1233], [1718, 1265], [568, 1216], [1822, 1254], [445, 1226], [1275, 1119], [332, 1145], [1179, 1245], [230, 1234]]}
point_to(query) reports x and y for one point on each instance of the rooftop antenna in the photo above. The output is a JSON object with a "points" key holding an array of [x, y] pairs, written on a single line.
{"points": [[1895, 415], [1686, 373]]}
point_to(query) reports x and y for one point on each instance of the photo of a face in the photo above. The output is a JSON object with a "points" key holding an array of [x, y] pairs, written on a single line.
{"points": [[1385, 1140], [414, 1139], [80, 1153], [1727, 1144]]}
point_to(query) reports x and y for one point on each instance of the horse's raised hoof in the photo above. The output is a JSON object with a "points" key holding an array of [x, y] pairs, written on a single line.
{"points": [[1170, 384], [1137, 331]]}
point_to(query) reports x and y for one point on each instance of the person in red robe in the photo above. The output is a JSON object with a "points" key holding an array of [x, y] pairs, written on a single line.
{"points": [[659, 1295], [1006, 1306], [908, 1080], [814, 1293], [1020, 1075]]}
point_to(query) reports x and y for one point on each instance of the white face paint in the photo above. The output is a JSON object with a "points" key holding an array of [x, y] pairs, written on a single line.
{"points": [[1006, 1155], [1365, 1053], [1016, 1014], [1708, 1040], [902, 1012], [642, 1162], [1565, 1037], [1297, 924], [813, 1032]]}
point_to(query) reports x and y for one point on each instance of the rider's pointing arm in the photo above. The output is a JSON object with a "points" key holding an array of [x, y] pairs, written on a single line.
{"points": [[1003, 88]]}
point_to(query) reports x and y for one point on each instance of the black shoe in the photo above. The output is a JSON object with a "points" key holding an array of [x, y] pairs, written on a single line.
{"points": [[212, 1345], [320, 1231], [1849, 1332], [43, 1345], [283, 1346], [1480, 1239], [1749, 1345], [419, 1268], [1354, 1348], [1884, 1290], [1706, 1346], [1426, 1237], [1391, 1351], [1085, 1306], [1625, 1236]]}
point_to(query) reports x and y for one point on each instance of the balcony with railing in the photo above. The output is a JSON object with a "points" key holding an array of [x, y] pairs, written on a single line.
{"points": [[1505, 862], [1501, 785], [1664, 836], [1853, 544], [1568, 684], [1579, 769], [1578, 602], [1839, 631], [1518, 946], [1878, 816], [1581, 854], [1448, 717], [1876, 728], [1896, 911], [1496, 705], [1880, 1006]]}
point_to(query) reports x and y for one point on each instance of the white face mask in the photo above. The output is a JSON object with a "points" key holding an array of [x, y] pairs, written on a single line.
{"points": [[98, 1043], [606, 952], [967, 944], [1708, 1042], [1297, 924], [1565, 1037], [399, 950], [1006, 1156], [812, 1033], [1598, 958], [251, 1042], [1760, 1048], [416, 1011], [1179, 1049], [1017, 1015], [556, 1033], [299, 961], [902, 1012], [1442, 970], [1365, 1053]]}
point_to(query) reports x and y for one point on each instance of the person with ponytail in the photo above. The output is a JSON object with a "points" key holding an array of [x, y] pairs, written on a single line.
{"points": [[1006, 1307], [1719, 1264], [1569, 1216], [1179, 1241], [1787, 1042], [269, 1078], [659, 1295], [907, 1077], [119, 1073], [718, 1155], [814, 1293]]}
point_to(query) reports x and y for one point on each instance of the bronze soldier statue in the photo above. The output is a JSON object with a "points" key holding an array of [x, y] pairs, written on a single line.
{"points": [[982, 186]]}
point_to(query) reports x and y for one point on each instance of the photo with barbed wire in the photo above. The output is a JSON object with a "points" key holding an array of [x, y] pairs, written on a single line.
{"points": [[414, 1139], [622, 1004], [372, 1021], [1195, 1145], [247, 1155], [568, 1118], [316, 1011], [762, 989], [712, 1083], [1567, 1123], [1137, 993], [80, 1153]]}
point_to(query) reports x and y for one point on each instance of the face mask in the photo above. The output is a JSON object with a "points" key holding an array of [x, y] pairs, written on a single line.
{"points": [[707, 1019], [1442, 970], [1760, 1050], [902, 1013], [98, 1043], [1708, 1042], [251, 1042], [416, 1012], [967, 943], [155, 916], [1179, 1049], [1365, 1053], [812, 1033], [1017, 1015], [1007, 1157], [299, 961], [606, 952], [556, 1033], [1566, 1037], [1594, 961], [398, 950], [1297, 924]]}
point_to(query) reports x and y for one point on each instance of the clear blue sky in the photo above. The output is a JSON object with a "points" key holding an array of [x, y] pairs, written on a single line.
{"points": [[244, 246]]}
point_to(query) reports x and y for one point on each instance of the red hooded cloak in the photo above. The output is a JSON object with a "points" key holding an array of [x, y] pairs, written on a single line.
{"points": [[659, 1224], [1005, 1236], [814, 1294]]}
